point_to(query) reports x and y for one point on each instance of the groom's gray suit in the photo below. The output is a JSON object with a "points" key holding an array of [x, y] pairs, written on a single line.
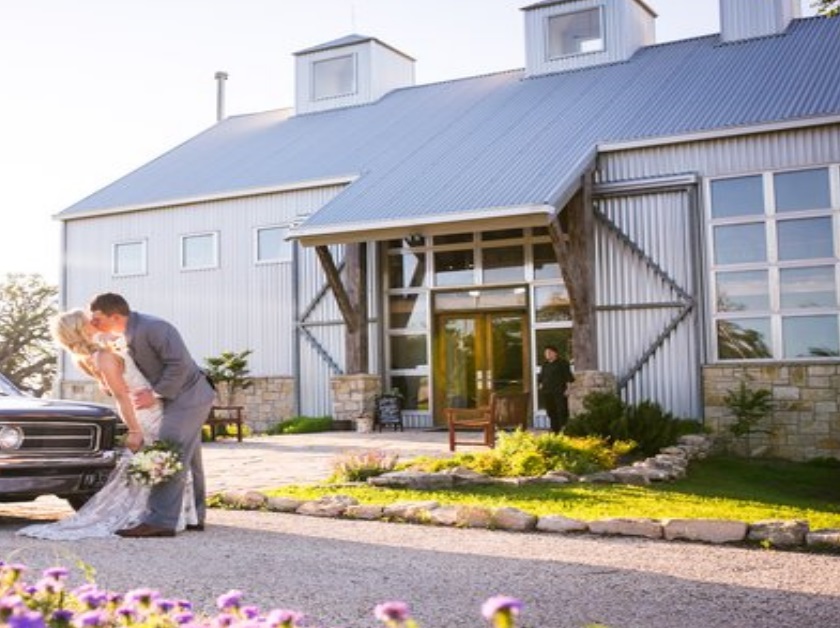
{"points": [[161, 355]]}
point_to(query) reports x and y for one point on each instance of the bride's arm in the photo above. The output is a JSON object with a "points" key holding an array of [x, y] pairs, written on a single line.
{"points": [[111, 367]]}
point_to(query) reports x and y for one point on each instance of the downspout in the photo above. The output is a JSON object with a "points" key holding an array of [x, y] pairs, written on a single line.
{"points": [[221, 77]]}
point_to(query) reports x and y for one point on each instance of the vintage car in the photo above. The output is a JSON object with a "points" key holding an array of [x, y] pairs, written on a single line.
{"points": [[54, 447]]}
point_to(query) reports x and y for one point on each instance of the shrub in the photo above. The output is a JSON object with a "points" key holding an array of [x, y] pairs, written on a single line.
{"points": [[523, 453], [301, 425], [359, 466], [647, 425]]}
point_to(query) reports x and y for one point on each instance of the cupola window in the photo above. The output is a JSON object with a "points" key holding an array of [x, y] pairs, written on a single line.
{"points": [[575, 33], [334, 77]]}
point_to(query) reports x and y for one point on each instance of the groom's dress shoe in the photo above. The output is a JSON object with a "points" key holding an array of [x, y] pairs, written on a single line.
{"points": [[195, 527], [144, 530]]}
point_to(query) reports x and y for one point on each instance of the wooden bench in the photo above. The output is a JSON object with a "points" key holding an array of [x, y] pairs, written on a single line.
{"points": [[506, 411], [222, 416]]}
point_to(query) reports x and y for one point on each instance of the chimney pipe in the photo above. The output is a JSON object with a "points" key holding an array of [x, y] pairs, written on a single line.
{"points": [[221, 77]]}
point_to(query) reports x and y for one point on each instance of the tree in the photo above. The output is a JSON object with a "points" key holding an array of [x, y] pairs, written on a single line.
{"points": [[27, 354], [829, 8]]}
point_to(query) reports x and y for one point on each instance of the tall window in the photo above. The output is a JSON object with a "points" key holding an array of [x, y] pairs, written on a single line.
{"points": [[334, 77], [271, 245], [200, 251], [575, 33], [775, 265], [129, 258]]}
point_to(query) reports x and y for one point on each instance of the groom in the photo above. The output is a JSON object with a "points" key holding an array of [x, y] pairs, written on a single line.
{"points": [[161, 355]]}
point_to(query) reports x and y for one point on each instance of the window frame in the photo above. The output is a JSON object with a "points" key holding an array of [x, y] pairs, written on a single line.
{"points": [[214, 264], [552, 55], [144, 258], [286, 251], [314, 83], [773, 264]]}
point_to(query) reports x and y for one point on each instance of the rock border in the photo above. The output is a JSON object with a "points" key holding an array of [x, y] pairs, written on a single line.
{"points": [[670, 464]]}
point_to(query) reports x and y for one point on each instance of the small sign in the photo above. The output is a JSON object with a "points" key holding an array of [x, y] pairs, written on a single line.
{"points": [[389, 410]]}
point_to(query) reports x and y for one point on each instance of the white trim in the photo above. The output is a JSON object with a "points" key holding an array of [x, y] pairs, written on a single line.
{"points": [[219, 196], [430, 224], [198, 234], [713, 134], [144, 267]]}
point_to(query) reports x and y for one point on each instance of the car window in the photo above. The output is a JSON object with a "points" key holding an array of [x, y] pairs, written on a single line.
{"points": [[7, 389]]}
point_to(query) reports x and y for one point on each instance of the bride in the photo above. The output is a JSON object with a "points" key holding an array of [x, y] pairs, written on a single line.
{"points": [[119, 504]]}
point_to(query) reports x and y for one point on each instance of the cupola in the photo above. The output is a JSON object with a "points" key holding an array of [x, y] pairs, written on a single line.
{"points": [[571, 34], [353, 70], [745, 19]]}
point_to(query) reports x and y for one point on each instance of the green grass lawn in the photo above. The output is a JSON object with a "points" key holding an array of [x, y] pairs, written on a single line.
{"points": [[717, 488]]}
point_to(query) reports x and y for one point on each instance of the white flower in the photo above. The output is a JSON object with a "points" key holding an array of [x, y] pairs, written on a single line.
{"points": [[155, 464]]}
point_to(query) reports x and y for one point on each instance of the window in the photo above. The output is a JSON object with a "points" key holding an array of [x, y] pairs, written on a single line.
{"points": [[199, 251], [575, 33], [775, 265], [272, 246], [334, 77], [129, 258]]}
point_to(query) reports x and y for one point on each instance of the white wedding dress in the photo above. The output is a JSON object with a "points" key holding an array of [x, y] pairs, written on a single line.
{"points": [[119, 504]]}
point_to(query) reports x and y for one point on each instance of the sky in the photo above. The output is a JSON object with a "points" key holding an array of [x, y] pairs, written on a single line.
{"points": [[93, 89]]}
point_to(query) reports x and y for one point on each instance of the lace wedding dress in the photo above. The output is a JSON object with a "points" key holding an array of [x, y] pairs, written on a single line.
{"points": [[119, 504]]}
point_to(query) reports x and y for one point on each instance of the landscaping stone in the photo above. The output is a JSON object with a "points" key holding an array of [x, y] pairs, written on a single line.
{"points": [[283, 504], [474, 517], [513, 519], [827, 537], [364, 511], [244, 500], [557, 523], [779, 533], [417, 512], [705, 530], [413, 479], [327, 506], [648, 528], [444, 516]]}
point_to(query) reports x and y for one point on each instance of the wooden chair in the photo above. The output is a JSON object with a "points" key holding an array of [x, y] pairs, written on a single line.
{"points": [[505, 411], [222, 416]]}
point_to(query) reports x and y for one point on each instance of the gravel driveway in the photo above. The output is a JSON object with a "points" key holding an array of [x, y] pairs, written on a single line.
{"points": [[336, 571]]}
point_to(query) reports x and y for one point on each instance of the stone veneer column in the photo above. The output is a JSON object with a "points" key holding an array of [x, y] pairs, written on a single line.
{"points": [[353, 395], [587, 382]]}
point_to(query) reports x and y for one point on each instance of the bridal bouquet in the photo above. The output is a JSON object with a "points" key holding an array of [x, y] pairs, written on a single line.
{"points": [[155, 463]]}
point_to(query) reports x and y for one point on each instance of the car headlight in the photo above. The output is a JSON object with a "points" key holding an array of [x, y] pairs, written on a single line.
{"points": [[10, 437]]}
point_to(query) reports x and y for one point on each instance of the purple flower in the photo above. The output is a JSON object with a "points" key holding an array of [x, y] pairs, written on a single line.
{"points": [[250, 612], [61, 615], [10, 602], [56, 573], [183, 618], [143, 597], [283, 618], [93, 598], [509, 606], [223, 620], [26, 619], [392, 611], [92, 618], [231, 599]]}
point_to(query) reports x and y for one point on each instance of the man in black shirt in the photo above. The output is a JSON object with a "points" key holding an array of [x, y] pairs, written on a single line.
{"points": [[555, 376]]}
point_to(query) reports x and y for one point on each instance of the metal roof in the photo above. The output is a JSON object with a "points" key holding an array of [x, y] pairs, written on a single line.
{"points": [[492, 144]]}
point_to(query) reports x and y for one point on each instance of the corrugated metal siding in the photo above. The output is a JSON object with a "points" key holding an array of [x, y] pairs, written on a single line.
{"points": [[237, 306], [712, 158], [636, 304]]}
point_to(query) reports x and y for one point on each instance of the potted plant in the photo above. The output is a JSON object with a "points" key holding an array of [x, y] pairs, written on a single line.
{"points": [[229, 374]]}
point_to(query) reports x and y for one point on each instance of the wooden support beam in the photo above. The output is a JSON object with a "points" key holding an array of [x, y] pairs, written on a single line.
{"points": [[572, 232], [348, 312]]}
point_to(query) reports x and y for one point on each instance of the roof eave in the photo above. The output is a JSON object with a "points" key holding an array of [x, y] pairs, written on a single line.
{"points": [[490, 218], [203, 198], [699, 136]]}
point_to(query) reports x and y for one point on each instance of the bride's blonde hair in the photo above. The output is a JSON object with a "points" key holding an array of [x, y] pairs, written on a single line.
{"points": [[68, 329]]}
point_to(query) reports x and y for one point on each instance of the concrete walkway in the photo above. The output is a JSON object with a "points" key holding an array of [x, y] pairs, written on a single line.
{"points": [[266, 461]]}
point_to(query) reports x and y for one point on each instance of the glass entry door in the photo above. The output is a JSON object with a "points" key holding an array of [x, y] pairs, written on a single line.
{"points": [[477, 353]]}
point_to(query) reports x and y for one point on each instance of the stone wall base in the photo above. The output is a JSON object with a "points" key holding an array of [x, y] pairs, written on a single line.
{"points": [[353, 395], [805, 420], [588, 382]]}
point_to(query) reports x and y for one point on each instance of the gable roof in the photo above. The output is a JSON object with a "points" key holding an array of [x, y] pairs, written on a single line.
{"points": [[492, 145]]}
